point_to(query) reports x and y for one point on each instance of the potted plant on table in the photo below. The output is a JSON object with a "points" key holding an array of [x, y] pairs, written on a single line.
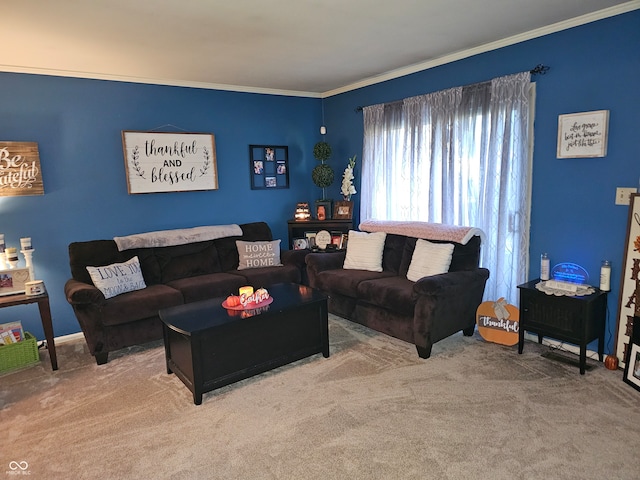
{"points": [[322, 176], [344, 209]]}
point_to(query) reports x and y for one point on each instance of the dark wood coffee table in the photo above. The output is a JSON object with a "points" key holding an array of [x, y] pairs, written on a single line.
{"points": [[208, 346]]}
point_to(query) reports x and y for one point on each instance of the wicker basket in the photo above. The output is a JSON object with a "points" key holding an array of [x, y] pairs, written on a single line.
{"points": [[18, 355]]}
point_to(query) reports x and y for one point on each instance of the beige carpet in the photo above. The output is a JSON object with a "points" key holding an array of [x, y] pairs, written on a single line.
{"points": [[373, 410]]}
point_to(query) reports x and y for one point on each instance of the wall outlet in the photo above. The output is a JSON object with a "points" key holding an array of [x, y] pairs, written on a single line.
{"points": [[623, 195]]}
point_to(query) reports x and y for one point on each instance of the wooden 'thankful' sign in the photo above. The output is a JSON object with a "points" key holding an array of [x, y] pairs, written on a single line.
{"points": [[20, 172]]}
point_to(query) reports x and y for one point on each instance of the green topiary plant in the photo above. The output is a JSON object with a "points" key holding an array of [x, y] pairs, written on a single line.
{"points": [[322, 175], [322, 151]]}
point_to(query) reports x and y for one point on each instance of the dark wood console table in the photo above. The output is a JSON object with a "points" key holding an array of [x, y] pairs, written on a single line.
{"points": [[45, 318], [578, 320], [297, 229]]}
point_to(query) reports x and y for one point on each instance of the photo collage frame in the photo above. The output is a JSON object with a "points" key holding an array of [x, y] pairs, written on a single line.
{"points": [[269, 166]]}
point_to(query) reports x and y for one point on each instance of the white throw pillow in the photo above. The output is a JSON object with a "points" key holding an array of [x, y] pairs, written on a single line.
{"points": [[364, 251], [429, 259], [258, 254], [118, 278]]}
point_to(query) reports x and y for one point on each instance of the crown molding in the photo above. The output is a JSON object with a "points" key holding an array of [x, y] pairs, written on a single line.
{"points": [[390, 75], [487, 47], [156, 81]]}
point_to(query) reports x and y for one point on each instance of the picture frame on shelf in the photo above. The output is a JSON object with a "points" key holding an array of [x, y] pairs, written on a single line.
{"points": [[269, 167], [300, 243], [336, 239], [343, 210], [323, 209], [311, 239], [632, 366], [345, 240], [12, 281]]}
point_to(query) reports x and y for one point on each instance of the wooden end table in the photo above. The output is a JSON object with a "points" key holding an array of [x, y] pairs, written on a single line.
{"points": [[45, 318], [575, 319]]}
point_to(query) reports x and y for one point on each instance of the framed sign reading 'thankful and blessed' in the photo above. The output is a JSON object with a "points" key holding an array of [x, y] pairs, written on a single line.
{"points": [[169, 162]]}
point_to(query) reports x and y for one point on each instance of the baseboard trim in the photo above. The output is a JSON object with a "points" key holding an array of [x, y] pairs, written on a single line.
{"points": [[68, 338]]}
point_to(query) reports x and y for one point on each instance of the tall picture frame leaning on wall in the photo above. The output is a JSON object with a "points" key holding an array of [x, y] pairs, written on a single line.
{"points": [[629, 300], [169, 162]]}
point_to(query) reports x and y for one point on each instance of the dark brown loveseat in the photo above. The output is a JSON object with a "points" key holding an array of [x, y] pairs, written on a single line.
{"points": [[173, 275], [421, 312]]}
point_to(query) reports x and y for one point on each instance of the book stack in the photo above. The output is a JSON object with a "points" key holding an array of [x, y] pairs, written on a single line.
{"points": [[11, 333]]}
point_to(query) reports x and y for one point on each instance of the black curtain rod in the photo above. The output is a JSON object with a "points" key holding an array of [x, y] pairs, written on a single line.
{"points": [[539, 69]]}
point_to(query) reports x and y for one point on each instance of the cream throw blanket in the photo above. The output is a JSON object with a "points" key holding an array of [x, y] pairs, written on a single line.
{"points": [[425, 230], [166, 238]]}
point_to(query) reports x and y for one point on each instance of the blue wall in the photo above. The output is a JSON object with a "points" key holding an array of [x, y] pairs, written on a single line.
{"points": [[77, 124], [593, 67]]}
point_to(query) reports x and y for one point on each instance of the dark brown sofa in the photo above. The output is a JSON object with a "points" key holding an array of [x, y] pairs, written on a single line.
{"points": [[421, 312], [173, 275]]}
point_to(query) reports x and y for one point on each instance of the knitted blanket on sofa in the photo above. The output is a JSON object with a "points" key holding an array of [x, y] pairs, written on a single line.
{"points": [[426, 230], [165, 238]]}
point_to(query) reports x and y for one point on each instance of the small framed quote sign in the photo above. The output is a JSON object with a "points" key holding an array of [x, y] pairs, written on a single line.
{"points": [[169, 162], [20, 172], [583, 135]]}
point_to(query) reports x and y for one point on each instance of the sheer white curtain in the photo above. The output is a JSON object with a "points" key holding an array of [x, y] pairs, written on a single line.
{"points": [[459, 156]]}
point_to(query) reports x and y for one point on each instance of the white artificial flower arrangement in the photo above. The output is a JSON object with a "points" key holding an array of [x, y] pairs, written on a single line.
{"points": [[347, 180]]}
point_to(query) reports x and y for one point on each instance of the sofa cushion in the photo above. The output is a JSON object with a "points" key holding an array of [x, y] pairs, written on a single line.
{"points": [[393, 252], [258, 254], [391, 293], [189, 260], [364, 251], [228, 250], [117, 278], [208, 286], [140, 304], [429, 259], [263, 277], [345, 282], [105, 252], [465, 257]]}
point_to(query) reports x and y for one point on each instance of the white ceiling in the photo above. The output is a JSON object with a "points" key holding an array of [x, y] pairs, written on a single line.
{"points": [[295, 47]]}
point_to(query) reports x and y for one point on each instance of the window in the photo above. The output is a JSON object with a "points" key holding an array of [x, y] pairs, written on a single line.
{"points": [[460, 156]]}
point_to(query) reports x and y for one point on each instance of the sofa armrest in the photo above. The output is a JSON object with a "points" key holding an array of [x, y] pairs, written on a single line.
{"points": [[294, 257], [80, 293], [448, 282]]}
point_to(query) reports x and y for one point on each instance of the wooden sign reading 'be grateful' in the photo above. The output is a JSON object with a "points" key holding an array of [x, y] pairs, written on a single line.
{"points": [[20, 172]]}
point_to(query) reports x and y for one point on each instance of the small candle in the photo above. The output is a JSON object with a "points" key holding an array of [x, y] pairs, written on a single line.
{"points": [[12, 253], [25, 243], [1, 242], [248, 290]]}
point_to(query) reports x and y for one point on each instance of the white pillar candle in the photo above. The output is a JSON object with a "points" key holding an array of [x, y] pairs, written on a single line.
{"points": [[25, 243]]}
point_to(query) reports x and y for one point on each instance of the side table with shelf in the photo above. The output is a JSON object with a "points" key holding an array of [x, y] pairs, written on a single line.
{"points": [[297, 229], [575, 319], [45, 317]]}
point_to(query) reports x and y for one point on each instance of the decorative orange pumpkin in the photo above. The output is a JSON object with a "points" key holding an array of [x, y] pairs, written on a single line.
{"points": [[233, 300], [611, 362], [498, 322]]}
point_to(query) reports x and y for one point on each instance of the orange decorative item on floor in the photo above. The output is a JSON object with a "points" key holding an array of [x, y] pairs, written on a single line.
{"points": [[498, 322]]}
